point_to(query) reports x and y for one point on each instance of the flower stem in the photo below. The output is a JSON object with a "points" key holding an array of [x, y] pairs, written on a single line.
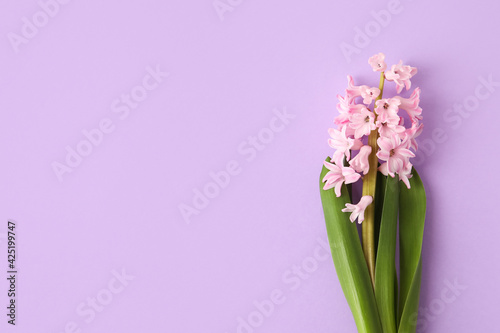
{"points": [[369, 187]]}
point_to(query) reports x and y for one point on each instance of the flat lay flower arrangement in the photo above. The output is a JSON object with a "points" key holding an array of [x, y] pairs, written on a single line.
{"points": [[374, 141]]}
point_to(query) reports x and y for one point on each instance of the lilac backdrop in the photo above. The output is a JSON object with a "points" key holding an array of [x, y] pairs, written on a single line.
{"points": [[102, 243]]}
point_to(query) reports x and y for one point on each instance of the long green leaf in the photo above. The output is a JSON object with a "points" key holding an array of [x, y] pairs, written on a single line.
{"points": [[385, 279], [349, 260], [411, 231], [379, 204]]}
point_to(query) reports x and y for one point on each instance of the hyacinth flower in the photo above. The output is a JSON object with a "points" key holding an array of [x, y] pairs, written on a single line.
{"points": [[373, 144]]}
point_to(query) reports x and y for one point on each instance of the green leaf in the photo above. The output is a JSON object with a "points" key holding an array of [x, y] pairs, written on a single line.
{"points": [[349, 260], [385, 279], [379, 204], [412, 205]]}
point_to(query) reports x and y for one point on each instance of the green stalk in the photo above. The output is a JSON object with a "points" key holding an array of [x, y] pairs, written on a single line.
{"points": [[369, 187]]}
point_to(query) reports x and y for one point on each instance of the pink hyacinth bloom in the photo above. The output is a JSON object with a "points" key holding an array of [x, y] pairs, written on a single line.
{"points": [[356, 108], [395, 152], [343, 104], [349, 132], [389, 126], [401, 75], [387, 108], [383, 169], [412, 133], [344, 116], [352, 91], [405, 174], [358, 211], [378, 62], [362, 122], [341, 143], [341, 119], [345, 107], [410, 105], [360, 161], [369, 94], [388, 121], [357, 144], [337, 176]]}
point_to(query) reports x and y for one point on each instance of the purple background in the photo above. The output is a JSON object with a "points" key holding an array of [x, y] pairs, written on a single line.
{"points": [[119, 209]]}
